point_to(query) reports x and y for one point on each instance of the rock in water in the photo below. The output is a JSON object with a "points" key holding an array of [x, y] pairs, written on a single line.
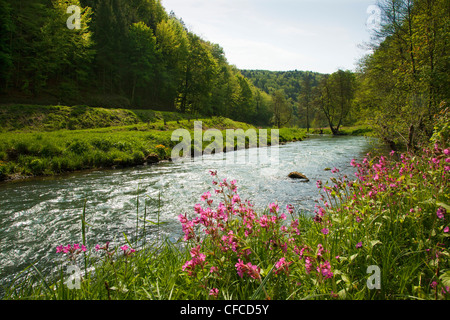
{"points": [[152, 159], [298, 175]]}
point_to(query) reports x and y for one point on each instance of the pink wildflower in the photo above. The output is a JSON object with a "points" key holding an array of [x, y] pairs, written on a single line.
{"points": [[264, 221], [127, 251], [290, 208], [198, 259], [440, 213], [308, 265], [325, 270], [321, 212], [206, 196], [282, 265], [249, 269], [273, 208], [236, 199], [183, 219], [214, 292], [213, 270]]}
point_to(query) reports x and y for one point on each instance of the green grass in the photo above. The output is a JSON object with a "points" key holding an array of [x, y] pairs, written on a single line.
{"points": [[42, 141], [358, 130]]}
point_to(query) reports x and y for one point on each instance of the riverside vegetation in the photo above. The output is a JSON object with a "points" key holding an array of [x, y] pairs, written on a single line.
{"points": [[49, 140], [393, 214]]}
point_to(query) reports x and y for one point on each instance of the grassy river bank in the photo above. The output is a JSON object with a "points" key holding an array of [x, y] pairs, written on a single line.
{"points": [[51, 140]]}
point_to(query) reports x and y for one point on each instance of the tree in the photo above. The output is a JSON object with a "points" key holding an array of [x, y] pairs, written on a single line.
{"points": [[200, 69], [282, 113], [173, 43], [144, 58], [334, 97], [305, 99], [6, 59], [406, 78]]}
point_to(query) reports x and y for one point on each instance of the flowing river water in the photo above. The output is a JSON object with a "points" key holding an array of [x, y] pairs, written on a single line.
{"points": [[38, 215]]}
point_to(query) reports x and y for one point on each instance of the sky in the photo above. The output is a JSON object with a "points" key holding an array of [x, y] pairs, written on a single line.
{"points": [[282, 35]]}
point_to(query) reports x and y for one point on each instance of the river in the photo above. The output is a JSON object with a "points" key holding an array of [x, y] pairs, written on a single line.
{"points": [[39, 214]]}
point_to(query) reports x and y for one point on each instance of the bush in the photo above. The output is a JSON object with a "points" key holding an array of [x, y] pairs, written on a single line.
{"points": [[79, 146], [138, 157], [37, 166], [102, 144]]}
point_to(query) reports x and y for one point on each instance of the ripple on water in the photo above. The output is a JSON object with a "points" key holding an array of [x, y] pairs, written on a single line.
{"points": [[38, 215]]}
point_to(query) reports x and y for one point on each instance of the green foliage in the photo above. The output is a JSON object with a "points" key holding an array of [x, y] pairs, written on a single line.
{"points": [[404, 82], [127, 54], [334, 97], [282, 114], [297, 86], [441, 133]]}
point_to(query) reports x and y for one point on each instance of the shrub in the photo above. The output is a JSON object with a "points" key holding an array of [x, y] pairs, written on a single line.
{"points": [[37, 166], [138, 157], [79, 146]]}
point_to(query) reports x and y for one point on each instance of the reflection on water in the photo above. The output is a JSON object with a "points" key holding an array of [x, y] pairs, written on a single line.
{"points": [[38, 215]]}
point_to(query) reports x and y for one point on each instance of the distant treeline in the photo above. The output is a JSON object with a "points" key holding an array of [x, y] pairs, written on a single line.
{"points": [[400, 88]]}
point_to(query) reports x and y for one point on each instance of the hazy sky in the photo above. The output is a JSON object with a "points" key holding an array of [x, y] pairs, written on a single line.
{"points": [[281, 35]]}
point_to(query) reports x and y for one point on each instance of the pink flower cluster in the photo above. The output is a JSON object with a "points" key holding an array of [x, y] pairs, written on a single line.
{"points": [[228, 225], [127, 251], [282, 266], [315, 261], [75, 249], [251, 270], [198, 259], [72, 251]]}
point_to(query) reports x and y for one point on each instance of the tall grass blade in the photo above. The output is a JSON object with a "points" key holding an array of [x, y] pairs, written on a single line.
{"points": [[52, 292], [137, 216], [262, 285], [83, 233]]}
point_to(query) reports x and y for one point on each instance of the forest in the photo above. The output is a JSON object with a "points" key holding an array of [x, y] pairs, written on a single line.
{"points": [[134, 54], [125, 53]]}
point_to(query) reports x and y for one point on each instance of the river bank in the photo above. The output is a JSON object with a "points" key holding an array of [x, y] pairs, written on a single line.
{"points": [[38, 213], [389, 217], [38, 141]]}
